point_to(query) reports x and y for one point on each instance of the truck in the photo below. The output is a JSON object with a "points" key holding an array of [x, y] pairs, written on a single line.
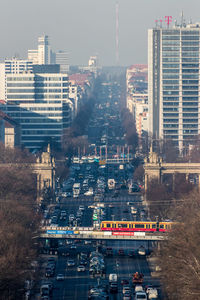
{"points": [[111, 183], [76, 190], [113, 286], [137, 278]]}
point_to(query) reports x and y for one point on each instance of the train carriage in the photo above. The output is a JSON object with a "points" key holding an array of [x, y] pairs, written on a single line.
{"points": [[133, 226]]}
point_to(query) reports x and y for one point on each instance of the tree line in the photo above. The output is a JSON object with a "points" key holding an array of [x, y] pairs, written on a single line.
{"points": [[178, 200], [18, 221]]}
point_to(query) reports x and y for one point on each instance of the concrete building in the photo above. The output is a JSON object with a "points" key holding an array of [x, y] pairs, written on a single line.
{"points": [[41, 56], [173, 74], [62, 59], [92, 67], [137, 97], [40, 104], [12, 66], [9, 131]]}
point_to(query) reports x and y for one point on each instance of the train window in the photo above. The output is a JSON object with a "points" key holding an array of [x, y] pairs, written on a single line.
{"points": [[161, 226], [153, 225], [147, 225], [108, 225], [139, 225], [122, 225], [113, 225]]}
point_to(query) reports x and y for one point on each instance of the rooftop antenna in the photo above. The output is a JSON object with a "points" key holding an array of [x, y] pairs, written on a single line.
{"points": [[182, 18], [117, 33]]}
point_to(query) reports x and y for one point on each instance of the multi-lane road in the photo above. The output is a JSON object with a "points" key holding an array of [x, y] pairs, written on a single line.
{"points": [[106, 135]]}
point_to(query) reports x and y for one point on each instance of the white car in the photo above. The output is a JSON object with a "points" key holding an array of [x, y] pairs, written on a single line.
{"points": [[81, 268], [140, 296], [60, 277], [81, 207], [152, 293], [89, 193], [138, 288]]}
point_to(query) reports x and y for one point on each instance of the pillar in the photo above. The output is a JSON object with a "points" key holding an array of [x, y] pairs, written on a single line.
{"points": [[145, 182], [173, 181]]}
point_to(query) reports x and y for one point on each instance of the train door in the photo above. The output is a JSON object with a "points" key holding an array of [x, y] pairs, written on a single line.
{"points": [[157, 226]]}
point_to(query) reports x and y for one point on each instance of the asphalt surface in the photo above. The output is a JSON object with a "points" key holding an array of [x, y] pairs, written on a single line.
{"points": [[104, 129]]}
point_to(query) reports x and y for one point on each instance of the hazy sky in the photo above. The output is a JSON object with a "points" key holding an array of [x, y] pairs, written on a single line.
{"points": [[87, 27]]}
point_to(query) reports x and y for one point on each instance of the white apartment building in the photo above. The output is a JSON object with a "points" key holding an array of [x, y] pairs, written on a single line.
{"points": [[40, 104], [173, 87]]}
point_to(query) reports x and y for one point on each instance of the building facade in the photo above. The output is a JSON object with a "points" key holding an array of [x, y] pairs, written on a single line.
{"points": [[12, 66], [41, 56], [173, 83], [9, 131], [40, 104], [137, 96]]}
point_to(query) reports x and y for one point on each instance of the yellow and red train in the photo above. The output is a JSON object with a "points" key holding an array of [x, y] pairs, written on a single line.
{"points": [[135, 226]]}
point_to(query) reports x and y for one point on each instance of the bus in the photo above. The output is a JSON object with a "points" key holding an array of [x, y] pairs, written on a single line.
{"points": [[76, 190]]}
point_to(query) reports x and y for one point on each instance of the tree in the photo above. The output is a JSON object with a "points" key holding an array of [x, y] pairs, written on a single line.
{"points": [[18, 221], [159, 200], [179, 255], [129, 128], [139, 173]]}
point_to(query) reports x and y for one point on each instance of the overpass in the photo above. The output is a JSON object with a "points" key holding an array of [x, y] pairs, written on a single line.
{"points": [[89, 233]]}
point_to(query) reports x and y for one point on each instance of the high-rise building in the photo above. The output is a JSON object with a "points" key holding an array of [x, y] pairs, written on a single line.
{"points": [[40, 104], [12, 66], [41, 56], [62, 59], [173, 83]]}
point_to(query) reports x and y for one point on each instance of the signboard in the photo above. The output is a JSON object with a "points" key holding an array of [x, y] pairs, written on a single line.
{"points": [[102, 162], [60, 232], [123, 233], [95, 218]]}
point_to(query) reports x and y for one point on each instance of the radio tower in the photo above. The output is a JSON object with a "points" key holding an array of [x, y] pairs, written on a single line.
{"points": [[117, 34]]}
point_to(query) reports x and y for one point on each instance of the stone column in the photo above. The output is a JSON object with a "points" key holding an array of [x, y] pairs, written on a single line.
{"points": [[145, 182], [173, 181]]}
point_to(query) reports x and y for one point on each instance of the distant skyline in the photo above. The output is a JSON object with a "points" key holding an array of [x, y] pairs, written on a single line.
{"points": [[87, 27]]}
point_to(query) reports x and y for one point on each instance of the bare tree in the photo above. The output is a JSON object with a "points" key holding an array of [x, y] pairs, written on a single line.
{"points": [[179, 255], [18, 221]]}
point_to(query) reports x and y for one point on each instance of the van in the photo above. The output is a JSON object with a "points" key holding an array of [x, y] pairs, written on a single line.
{"points": [[113, 278], [44, 290]]}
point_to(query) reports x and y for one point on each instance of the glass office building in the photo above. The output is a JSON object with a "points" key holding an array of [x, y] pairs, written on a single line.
{"points": [[40, 104]]}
